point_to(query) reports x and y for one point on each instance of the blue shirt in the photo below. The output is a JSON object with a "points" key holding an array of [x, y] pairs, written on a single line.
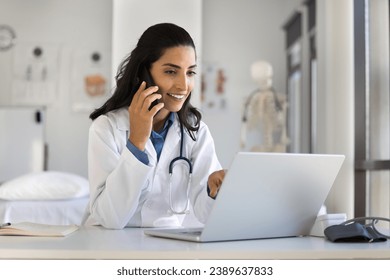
{"points": [[157, 138]]}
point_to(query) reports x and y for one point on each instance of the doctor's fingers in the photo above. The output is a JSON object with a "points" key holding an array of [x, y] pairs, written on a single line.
{"points": [[143, 92], [215, 181], [141, 88], [219, 175], [143, 112], [142, 105]]}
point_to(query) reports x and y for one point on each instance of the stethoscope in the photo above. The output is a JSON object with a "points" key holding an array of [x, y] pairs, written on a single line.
{"points": [[185, 210]]}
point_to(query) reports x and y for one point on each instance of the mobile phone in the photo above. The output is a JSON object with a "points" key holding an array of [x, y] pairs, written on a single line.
{"points": [[145, 76]]}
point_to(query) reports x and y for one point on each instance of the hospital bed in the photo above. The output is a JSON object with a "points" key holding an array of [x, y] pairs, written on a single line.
{"points": [[47, 197], [28, 191], [54, 212]]}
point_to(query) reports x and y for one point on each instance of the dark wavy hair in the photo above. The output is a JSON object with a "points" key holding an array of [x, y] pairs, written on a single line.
{"points": [[150, 47]]}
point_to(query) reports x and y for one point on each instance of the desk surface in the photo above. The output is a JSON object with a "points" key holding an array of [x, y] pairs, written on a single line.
{"points": [[131, 243]]}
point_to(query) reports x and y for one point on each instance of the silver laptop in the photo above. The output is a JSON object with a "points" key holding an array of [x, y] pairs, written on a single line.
{"points": [[265, 195]]}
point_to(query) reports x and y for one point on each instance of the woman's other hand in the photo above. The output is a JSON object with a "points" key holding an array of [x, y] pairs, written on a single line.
{"points": [[215, 181]]}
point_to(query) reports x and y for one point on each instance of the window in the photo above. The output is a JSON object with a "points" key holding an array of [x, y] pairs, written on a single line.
{"points": [[372, 118]]}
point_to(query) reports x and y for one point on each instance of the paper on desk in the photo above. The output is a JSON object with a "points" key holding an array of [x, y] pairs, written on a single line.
{"points": [[34, 229]]}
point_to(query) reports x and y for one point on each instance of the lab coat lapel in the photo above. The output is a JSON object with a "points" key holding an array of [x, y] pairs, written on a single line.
{"points": [[172, 141]]}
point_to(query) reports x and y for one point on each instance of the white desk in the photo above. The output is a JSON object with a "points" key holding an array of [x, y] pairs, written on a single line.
{"points": [[99, 243]]}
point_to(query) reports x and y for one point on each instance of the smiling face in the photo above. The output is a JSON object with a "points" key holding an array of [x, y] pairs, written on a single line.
{"points": [[174, 74]]}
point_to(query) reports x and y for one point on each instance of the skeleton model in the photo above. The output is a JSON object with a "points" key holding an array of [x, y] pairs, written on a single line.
{"points": [[264, 113]]}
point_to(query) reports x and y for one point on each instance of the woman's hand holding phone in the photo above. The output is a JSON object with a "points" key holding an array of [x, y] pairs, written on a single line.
{"points": [[141, 115]]}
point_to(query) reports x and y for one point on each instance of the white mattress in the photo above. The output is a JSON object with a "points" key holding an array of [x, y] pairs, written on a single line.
{"points": [[56, 212]]}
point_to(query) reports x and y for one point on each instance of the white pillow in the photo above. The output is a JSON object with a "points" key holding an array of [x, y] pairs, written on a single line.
{"points": [[46, 185]]}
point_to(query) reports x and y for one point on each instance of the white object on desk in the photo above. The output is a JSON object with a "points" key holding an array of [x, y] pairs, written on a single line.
{"points": [[326, 220], [34, 229]]}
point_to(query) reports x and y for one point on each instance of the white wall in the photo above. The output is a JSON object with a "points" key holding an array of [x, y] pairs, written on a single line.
{"points": [[70, 26]]}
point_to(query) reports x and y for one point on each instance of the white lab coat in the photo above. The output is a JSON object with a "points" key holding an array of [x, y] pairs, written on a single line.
{"points": [[126, 192]]}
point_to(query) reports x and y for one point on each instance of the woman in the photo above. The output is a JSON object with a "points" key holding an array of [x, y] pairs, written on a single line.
{"points": [[133, 140]]}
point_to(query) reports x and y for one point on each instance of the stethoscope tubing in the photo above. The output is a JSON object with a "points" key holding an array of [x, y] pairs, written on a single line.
{"points": [[180, 157]]}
